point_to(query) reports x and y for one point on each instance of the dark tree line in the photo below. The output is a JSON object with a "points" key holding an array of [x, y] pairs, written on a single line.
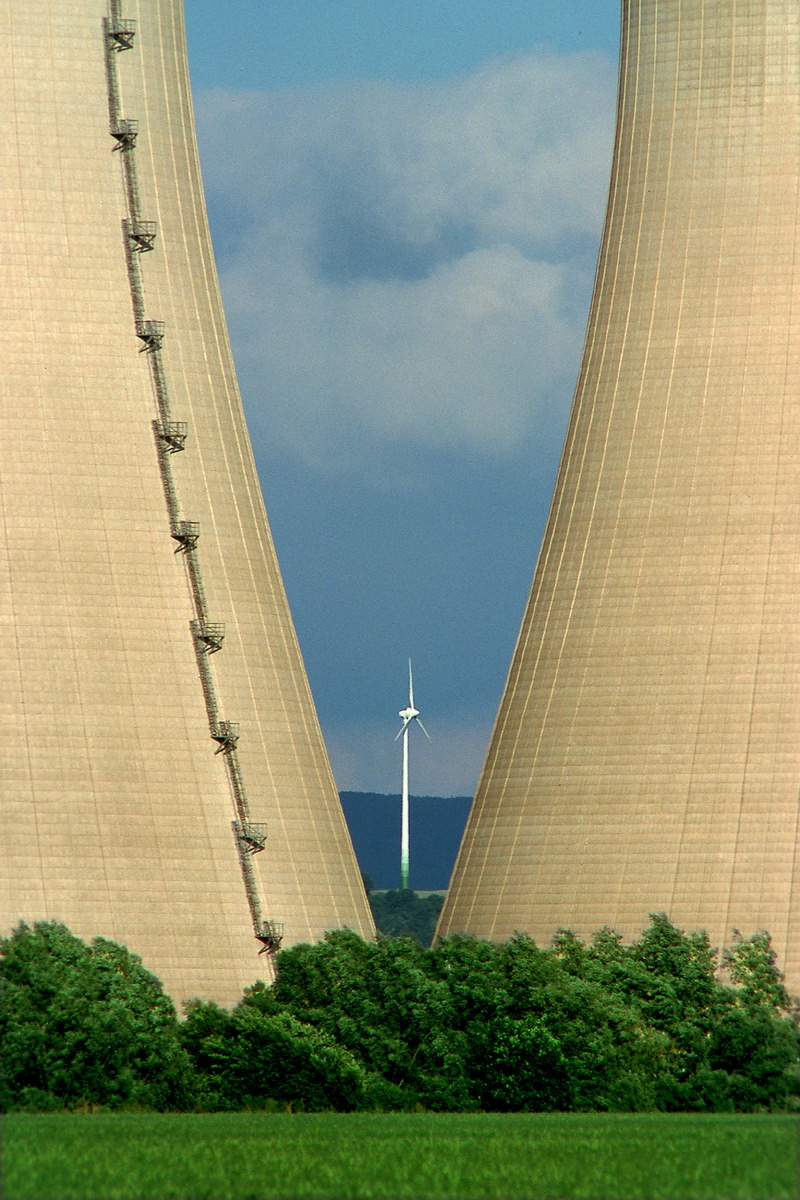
{"points": [[466, 1026], [404, 912]]}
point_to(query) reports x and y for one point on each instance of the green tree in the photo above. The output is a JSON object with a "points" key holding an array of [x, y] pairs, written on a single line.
{"points": [[757, 1051], [520, 1067], [468, 1025], [726, 1049], [611, 1057], [383, 1003], [85, 1024], [752, 965], [403, 913], [249, 1058]]}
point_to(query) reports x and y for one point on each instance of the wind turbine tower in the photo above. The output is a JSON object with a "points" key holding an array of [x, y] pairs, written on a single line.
{"points": [[407, 715]]}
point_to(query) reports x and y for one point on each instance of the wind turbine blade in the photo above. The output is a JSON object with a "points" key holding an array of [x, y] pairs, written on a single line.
{"points": [[406, 724], [410, 687], [422, 727]]}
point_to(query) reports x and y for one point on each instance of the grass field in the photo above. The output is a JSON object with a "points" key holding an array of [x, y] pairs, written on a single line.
{"points": [[250, 1156]]}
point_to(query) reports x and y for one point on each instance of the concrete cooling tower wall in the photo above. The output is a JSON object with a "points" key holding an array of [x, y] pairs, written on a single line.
{"points": [[646, 753], [164, 780]]}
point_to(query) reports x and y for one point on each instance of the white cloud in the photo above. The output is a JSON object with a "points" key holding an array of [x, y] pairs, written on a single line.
{"points": [[407, 264]]}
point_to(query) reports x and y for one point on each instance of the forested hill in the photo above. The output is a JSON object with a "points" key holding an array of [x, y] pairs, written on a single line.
{"points": [[436, 826]]}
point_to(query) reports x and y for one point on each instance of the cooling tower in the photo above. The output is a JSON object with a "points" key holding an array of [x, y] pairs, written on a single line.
{"points": [[164, 780], [646, 753]]}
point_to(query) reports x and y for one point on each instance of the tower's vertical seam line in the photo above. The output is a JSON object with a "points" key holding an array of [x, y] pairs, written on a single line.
{"points": [[746, 766]]}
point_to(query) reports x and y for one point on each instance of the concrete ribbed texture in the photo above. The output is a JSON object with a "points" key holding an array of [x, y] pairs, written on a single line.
{"points": [[116, 813], [646, 753]]}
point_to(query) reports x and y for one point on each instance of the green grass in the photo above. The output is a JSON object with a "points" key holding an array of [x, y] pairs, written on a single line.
{"points": [[250, 1156]]}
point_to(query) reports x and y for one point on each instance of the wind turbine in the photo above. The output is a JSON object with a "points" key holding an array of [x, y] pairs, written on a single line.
{"points": [[407, 715]]}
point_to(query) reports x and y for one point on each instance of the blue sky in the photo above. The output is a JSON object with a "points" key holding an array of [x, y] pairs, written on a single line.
{"points": [[406, 198]]}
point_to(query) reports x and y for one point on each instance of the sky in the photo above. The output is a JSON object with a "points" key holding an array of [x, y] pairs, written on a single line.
{"points": [[406, 199]]}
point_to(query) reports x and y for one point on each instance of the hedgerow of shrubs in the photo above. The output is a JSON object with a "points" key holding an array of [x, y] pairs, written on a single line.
{"points": [[656, 1024]]}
